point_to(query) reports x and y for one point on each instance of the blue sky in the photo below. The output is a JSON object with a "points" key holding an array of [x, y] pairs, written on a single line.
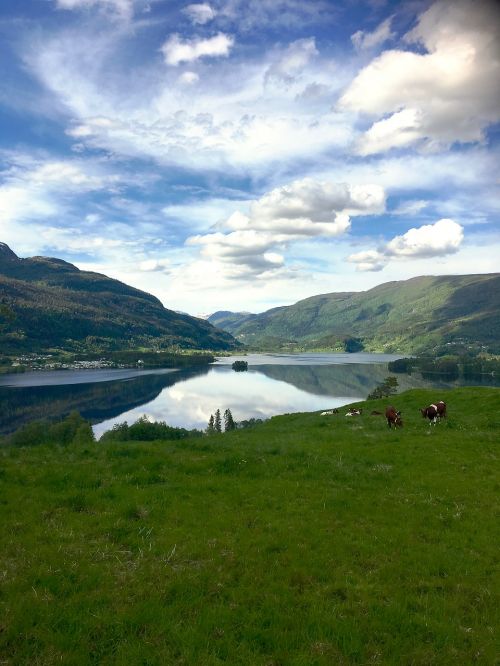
{"points": [[243, 154]]}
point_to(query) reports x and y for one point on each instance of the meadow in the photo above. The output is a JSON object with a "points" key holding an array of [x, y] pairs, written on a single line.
{"points": [[307, 540]]}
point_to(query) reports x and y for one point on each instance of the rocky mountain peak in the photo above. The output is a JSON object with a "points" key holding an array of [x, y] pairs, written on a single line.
{"points": [[6, 253]]}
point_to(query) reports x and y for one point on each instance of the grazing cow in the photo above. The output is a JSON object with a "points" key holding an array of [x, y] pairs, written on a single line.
{"points": [[393, 417], [441, 409], [431, 413]]}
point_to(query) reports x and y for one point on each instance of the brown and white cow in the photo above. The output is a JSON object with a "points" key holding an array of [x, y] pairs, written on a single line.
{"points": [[393, 417], [431, 413], [441, 407], [434, 412]]}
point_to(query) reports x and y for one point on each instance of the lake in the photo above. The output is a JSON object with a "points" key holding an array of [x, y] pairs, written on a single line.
{"points": [[274, 384]]}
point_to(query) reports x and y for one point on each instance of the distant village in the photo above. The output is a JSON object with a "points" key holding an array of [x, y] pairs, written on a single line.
{"points": [[45, 362]]}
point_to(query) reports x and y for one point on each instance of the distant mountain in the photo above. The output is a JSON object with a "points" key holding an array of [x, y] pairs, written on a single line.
{"points": [[48, 303], [417, 315]]}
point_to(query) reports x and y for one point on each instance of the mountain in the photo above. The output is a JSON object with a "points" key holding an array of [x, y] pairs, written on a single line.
{"points": [[417, 315], [47, 303]]}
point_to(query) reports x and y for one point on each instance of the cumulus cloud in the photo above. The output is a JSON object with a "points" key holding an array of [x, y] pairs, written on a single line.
{"points": [[200, 13], [363, 40], [370, 260], [303, 209], [437, 97], [431, 240], [442, 238], [176, 50]]}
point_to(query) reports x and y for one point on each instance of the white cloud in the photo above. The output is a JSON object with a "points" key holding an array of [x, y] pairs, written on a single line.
{"points": [[201, 13], [189, 78], [253, 243], [122, 8], [176, 50], [293, 60], [440, 239], [438, 97], [155, 265], [363, 40], [315, 208], [411, 207], [35, 193], [370, 260], [431, 240]]}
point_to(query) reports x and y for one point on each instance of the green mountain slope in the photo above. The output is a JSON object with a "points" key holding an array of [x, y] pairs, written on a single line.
{"points": [[420, 314], [47, 303]]}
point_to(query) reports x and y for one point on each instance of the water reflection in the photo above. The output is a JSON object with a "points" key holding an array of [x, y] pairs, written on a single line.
{"points": [[274, 384], [250, 394], [95, 400]]}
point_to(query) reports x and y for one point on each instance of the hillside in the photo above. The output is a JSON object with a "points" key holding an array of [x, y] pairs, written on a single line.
{"points": [[47, 303], [416, 315], [308, 540]]}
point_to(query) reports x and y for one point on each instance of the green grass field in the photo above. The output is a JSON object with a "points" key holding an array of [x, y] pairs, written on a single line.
{"points": [[308, 540]]}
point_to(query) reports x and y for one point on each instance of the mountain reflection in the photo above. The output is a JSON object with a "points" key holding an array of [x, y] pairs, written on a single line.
{"points": [[96, 401], [187, 397]]}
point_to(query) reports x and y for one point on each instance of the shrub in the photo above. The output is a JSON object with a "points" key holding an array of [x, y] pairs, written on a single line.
{"points": [[145, 430]]}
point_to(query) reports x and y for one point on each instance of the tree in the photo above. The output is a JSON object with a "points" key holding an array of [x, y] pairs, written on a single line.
{"points": [[387, 388], [229, 423], [84, 434], [7, 316], [217, 422], [210, 427], [352, 345]]}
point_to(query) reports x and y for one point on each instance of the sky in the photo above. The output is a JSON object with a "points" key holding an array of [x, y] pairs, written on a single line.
{"points": [[245, 154]]}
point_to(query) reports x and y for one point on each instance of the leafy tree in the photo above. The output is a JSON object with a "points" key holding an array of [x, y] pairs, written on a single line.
{"points": [[84, 434], [229, 423], [387, 388], [217, 422], [240, 366], [352, 345]]}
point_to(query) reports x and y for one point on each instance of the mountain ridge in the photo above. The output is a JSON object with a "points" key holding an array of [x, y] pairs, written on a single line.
{"points": [[421, 314], [50, 303]]}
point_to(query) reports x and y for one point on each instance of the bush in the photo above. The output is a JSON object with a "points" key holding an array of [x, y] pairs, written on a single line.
{"points": [[144, 430], [240, 366], [72, 429]]}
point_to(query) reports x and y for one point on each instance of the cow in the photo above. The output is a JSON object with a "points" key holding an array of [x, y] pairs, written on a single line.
{"points": [[441, 409], [393, 417], [431, 413], [354, 412]]}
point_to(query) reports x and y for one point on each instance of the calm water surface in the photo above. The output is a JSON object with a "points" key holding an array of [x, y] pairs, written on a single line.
{"points": [[274, 384]]}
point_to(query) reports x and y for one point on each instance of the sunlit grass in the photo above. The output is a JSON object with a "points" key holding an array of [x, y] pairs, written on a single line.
{"points": [[307, 540]]}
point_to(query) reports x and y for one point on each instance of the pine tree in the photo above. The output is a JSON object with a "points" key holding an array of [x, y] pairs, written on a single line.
{"points": [[217, 422], [229, 423], [211, 428]]}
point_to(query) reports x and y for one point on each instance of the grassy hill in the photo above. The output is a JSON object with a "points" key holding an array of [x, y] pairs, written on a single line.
{"points": [[47, 303], [309, 540], [415, 315]]}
